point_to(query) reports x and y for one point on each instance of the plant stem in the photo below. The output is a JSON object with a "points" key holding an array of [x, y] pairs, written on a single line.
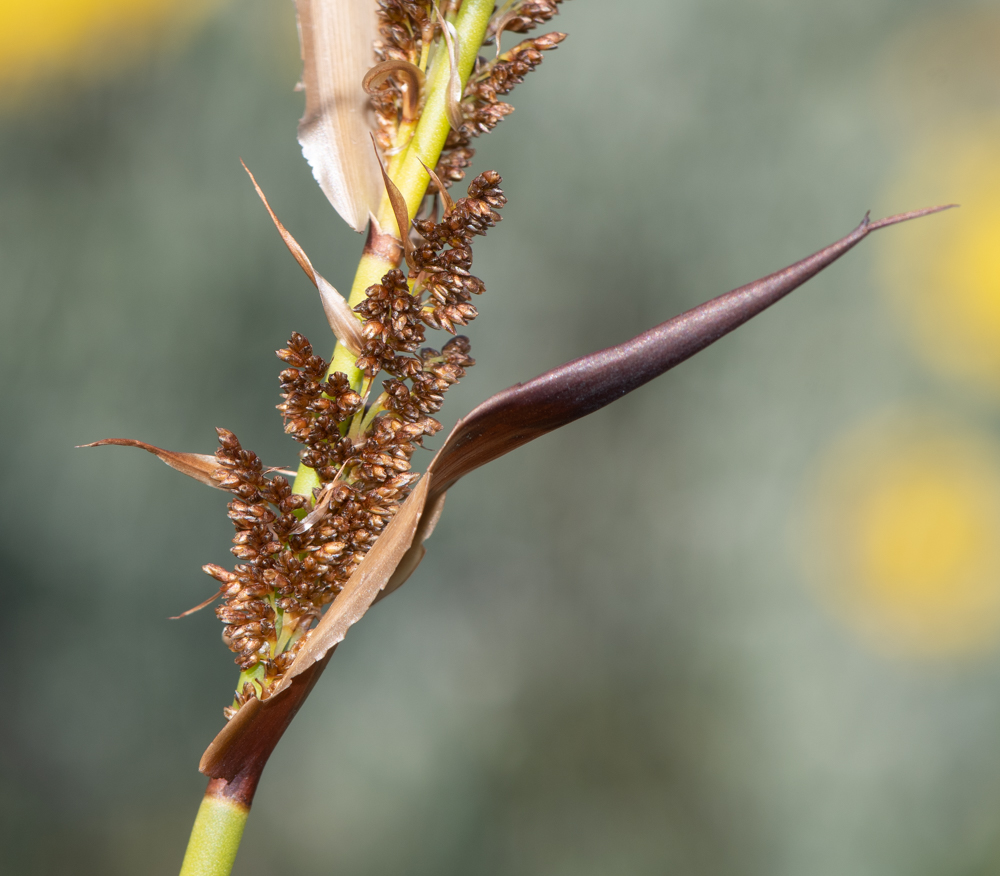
{"points": [[218, 827], [215, 837]]}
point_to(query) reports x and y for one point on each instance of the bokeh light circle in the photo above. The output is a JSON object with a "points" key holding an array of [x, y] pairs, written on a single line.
{"points": [[902, 534], [943, 276], [46, 42]]}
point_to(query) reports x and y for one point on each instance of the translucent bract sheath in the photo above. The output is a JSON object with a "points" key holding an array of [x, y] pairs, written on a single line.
{"points": [[336, 38]]}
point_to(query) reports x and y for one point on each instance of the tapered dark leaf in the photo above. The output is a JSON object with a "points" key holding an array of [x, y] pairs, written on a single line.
{"points": [[529, 410]]}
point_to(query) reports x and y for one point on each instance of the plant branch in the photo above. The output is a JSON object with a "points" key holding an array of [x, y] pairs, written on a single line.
{"points": [[219, 825]]}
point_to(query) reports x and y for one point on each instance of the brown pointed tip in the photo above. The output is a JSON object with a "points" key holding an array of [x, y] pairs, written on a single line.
{"points": [[905, 217], [200, 466], [399, 208], [199, 606]]}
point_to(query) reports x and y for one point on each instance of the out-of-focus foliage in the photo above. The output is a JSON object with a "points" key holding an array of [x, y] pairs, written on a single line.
{"points": [[742, 622]]}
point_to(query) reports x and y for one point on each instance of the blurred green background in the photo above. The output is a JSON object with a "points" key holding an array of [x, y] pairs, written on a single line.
{"points": [[744, 621]]}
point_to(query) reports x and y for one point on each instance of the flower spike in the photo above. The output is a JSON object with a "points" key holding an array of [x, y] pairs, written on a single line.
{"points": [[502, 423]]}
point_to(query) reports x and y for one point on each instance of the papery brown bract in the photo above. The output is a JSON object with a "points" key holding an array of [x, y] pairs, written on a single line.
{"points": [[201, 466], [338, 312]]}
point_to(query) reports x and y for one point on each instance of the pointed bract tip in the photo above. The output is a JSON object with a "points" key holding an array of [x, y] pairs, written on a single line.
{"points": [[199, 606], [453, 96], [200, 466], [343, 322], [293, 246], [399, 208], [905, 217], [446, 200]]}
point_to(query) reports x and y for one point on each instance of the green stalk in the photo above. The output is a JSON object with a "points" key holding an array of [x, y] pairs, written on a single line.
{"points": [[215, 837], [219, 824]]}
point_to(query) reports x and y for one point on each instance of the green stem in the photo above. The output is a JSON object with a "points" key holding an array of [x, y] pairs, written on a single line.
{"points": [[215, 837], [219, 825]]}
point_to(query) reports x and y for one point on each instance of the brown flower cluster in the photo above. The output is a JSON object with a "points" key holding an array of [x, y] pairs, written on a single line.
{"points": [[297, 553], [481, 108], [407, 28], [522, 15]]}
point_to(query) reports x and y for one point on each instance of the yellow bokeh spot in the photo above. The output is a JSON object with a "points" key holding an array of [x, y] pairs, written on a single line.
{"points": [[45, 41], [903, 534], [944, 273]]}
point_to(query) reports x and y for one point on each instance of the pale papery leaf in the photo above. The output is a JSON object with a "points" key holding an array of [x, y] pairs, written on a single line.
{"points": [[343, 321], [200, 466], [411, 559], [336, 37]]}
